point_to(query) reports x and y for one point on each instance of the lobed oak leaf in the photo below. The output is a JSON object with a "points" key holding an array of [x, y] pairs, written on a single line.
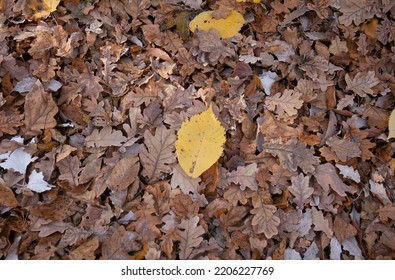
{"points": [[105, 138], [120, 244], [157, 154], [343, 229], [186, 183], [288, 102], [9, 122], [300, 189], [183, 206], [343, 148], [244, 176], [293, 154], [189, 235], [200, 143], [356, 11], [320, 223], [265, 221], [351, 245], [326, 176], [146, 224], [86, 250], [40, 110], [391, 125], [349, 172], [386, 212], [362, 83], [124, 173], [379, 191], [69, 168]]}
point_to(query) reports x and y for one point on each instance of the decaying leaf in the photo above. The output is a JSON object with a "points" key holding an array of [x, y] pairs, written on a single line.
{"points": [[300, 189], [199, 143], [226, 27], [120, 244]]}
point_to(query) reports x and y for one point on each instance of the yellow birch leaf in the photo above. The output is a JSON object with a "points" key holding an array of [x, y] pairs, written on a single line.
{"points": [[226, 27], [200, 143], [391, 125], [41, 8]]}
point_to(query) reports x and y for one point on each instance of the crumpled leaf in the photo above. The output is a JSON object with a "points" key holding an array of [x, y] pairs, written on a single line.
{"points": [[343, 148], [199, 143], [265, 221], [226, 27], [189, 235], [158, 154]]}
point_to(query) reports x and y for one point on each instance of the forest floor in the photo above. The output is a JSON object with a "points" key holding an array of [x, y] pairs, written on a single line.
{"points": [[94, 93]]}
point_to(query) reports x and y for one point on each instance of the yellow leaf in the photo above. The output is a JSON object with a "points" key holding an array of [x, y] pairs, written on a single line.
{"points": [[226, 27], [200, 143], [41, 8], [391, 125]]}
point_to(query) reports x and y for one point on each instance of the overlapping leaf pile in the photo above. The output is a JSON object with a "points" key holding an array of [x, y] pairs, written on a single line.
{"points": [[93, 95]]}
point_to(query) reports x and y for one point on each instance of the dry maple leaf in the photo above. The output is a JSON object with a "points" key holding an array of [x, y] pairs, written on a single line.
{"points": [[362, 83], [40, 110], [293, 154], [157, 154], [288, 102], [189, 235], [105, 138], [300, 189], [264, 220], [120, 244]]}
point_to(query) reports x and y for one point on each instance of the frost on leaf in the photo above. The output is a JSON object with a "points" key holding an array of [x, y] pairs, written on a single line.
{"points": [[226, 27], [189, 235], [264, 220], [157, 155], [288, 102], [200, 143], [293, 154]]}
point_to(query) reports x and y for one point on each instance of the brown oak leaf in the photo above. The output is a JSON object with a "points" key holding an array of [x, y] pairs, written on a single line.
{"points": [[105, 138], [320, 223], [40, 110], [326, 176], [264, 220], [244, 176], [362, 83], [300, 189], [124, 173], [343, 148], [158, 154], [287, 102], [189, 235], [119, 244]]}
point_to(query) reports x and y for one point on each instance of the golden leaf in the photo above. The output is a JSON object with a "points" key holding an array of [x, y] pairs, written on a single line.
{"points": [[200, 143], [226, 27], [40, 8], [391, 125]]}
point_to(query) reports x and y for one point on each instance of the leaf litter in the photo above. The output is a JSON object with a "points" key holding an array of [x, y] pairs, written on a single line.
{"points": [[95, 97]]}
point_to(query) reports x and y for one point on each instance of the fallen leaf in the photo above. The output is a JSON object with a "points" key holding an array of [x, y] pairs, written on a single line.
{"points": [[36, 182], [320, 223], [158, 154], [264, 220], [7, 197], [391, 125], [362, 83], [119, 244], [40, 110], [105, 138], [226, 27], [124, 173], [326, 176], [17, 160], [300, 189], [288, 102], [199, 143], [244, 176], [189, 235]]}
